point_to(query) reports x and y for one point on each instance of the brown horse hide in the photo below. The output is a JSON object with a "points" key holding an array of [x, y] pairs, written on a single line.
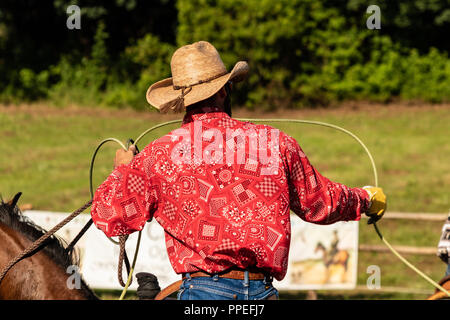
{"points": [[43, 275]]}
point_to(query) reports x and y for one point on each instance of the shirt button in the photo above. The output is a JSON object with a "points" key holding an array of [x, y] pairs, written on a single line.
{"points": [[191, 286]]}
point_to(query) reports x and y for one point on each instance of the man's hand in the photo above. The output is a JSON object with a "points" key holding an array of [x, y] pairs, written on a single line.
{"points": [[377, 203], [124, 157]]}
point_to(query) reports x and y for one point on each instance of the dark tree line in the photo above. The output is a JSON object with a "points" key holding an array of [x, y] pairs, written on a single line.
{"points": [[303, 52]]}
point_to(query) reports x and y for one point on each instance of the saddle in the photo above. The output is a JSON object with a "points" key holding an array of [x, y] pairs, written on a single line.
{"points": [[438, 294]]}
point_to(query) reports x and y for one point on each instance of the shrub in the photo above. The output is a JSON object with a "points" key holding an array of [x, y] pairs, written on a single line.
{"points": [[301, 53]]}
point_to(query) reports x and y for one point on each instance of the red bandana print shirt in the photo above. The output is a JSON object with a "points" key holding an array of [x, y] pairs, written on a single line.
{"points": [[219, 211]]}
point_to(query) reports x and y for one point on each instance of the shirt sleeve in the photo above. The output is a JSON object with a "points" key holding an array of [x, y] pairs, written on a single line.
{"points": [[313, 197], [126, 200]]}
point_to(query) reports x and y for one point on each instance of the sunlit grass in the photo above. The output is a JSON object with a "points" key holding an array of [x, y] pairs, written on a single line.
{"points": [[45, 153]]}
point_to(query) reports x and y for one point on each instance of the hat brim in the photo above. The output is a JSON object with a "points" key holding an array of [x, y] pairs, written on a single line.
{"points": [[162, 91]]}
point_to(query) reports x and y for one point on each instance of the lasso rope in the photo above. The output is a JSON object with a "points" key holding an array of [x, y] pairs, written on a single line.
{"points": [[122, 240], [375, 175]]}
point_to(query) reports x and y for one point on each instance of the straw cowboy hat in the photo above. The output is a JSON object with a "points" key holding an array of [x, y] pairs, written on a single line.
{"points": [[197, 74]]}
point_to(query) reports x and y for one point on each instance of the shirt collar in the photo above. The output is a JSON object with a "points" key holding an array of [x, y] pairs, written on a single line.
{"points": [[203, 113]]}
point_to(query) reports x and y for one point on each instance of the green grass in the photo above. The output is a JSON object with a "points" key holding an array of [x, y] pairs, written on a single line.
{"points": [[46, 154]]}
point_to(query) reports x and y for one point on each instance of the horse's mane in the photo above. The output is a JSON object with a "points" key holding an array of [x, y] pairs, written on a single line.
{"points": [[55, 247]]}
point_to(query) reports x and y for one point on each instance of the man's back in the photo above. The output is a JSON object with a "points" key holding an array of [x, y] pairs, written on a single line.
{"points": [[222, 190]]}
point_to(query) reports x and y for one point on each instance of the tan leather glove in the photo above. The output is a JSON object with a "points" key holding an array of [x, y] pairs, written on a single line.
{"points": [[124, 157], [377, 203]]}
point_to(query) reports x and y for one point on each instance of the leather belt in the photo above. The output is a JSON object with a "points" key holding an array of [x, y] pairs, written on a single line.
{"points": [[232, 274]]}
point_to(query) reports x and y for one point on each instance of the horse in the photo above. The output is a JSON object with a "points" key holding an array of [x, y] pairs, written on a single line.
{"points": [[44, 275], [339, 257], [336, 261]]}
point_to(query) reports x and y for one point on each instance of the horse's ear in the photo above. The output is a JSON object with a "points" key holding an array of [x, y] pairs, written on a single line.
{"points": [[14, 200]]}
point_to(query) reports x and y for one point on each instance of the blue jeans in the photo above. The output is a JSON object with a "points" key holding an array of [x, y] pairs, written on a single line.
{"points": [[215, 288], [447, 272]]}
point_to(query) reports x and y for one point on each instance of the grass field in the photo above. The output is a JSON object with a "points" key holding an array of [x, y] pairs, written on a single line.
{"points": [[46, 154]]}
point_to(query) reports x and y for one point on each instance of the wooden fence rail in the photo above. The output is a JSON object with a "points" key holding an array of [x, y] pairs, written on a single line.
{"points": [[440, 217], [400, 249], [414, 216]]}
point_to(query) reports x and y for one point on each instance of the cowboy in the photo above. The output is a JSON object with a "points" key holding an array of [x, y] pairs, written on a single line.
{"points": [[222, 189]]}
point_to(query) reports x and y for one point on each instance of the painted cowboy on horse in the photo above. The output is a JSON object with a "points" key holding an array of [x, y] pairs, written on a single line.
{"points": [[222, 189]]}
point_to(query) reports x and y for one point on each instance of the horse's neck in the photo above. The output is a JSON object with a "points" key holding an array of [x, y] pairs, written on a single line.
{"points": [[36, 277]]}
